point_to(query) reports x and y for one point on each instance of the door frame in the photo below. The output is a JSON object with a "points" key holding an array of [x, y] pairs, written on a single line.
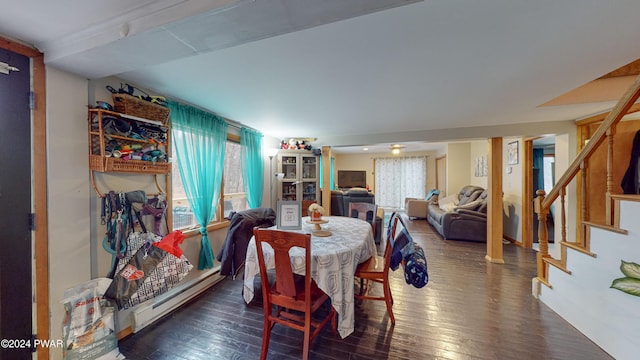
{"points": [[527, 192], [39, 191], [442, 187]]}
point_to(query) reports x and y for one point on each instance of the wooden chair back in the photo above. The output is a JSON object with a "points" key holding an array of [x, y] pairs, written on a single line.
{"points": [[305, 206], [376, 269], [287, 293], [364, 211], [285, 286], [391, 235]]}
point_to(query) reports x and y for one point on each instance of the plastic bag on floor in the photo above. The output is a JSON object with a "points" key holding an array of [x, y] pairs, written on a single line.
{"points": [[88, 328]]}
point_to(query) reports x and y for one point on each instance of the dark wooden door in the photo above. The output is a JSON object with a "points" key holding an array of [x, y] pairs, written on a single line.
{"points": [[15, 208]]}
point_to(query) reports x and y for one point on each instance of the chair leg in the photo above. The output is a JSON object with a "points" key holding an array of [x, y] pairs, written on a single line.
{"points": [[266, 335], [389, 301], [334, 326], [307, 337]]}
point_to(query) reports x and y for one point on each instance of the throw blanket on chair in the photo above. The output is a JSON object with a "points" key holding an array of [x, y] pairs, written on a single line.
{"points": [[415, 267], [402, 247], [409, 254], [234, 250]]}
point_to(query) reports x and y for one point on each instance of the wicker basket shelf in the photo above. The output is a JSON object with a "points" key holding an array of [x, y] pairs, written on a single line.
{"points": [[131, 105], [110, 164], [101, 160], [124, 138]]}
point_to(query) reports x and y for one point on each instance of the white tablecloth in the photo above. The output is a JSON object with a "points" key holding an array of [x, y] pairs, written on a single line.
{"points": [[333, 264]]}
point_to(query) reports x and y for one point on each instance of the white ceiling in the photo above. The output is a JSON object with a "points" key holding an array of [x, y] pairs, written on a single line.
{"points": [[352, 72]]}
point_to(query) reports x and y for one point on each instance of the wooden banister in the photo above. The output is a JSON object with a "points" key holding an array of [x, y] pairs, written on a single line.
{"points": [[544, 201], [620, 110]]}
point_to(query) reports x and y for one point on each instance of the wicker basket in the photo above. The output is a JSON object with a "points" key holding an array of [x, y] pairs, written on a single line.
{"points": [[131, 105], [110, 164], [96, 162], [136, 166]]}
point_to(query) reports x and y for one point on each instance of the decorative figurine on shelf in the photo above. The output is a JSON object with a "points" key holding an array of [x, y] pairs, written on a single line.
{"points": [[315, 212], [295, 144]]}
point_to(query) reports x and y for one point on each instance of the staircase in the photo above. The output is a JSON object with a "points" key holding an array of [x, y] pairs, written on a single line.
{"points": [[577, 284], [581, 290]]}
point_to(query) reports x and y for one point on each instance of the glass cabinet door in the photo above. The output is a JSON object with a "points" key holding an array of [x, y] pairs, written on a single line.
{"points": [[309, 177], [300, 180], [289, 183]]}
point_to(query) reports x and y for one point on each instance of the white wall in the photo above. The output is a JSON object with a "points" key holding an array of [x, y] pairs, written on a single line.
{"points": [[477, 149], [458, 168], [68, 191], [512, 189]]}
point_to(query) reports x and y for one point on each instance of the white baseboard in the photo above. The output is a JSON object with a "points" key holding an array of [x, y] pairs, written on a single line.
{"points": [[152, 310]]}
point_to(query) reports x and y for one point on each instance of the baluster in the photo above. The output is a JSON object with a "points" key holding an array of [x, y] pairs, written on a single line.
{"points": [[583, 212], [543, 236], [563, 215], [608, 207]]}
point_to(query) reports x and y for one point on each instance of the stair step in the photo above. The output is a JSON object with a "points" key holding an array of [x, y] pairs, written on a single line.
{"points": [[556, 263], [578, 247], [544, 282], [606, 227]]}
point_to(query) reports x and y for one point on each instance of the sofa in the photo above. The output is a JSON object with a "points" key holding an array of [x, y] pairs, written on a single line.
{"points": [[462, 216], [340, 200]]}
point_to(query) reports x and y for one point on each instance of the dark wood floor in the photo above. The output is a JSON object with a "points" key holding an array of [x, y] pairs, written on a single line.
{"points": [[470, 309]]}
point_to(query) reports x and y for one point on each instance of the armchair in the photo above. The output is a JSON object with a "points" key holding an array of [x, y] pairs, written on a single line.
{"points": [[417, 208], [462, 217]]}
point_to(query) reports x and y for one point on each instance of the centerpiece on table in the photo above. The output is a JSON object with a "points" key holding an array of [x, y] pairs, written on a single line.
{"points": [[315, 212]]}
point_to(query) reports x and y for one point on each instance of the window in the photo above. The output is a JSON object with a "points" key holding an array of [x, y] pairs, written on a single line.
{"points": [[398, 178], [233, 197], [183, 217]]}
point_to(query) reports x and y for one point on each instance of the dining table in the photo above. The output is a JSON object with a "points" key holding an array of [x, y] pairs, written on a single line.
{"points": [[340, 245]]}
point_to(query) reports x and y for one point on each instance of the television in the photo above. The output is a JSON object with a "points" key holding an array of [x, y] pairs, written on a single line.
{"points": [[352, 178]]}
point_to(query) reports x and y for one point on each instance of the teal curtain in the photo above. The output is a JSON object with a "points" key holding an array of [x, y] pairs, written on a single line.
{"points": [[200, 142], [320, 171], [252, 166], [538, 164], [332, 185]]}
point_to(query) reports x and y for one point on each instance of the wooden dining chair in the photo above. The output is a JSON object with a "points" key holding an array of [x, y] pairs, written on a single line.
{"points": [[305, 206], [290, 292], [376, 269], [366, 212]]}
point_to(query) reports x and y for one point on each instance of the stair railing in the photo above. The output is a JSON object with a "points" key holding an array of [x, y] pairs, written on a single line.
{"points": [[543, 202]]}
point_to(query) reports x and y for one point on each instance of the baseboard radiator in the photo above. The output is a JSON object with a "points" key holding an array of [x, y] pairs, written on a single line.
{"points": [[152, 310]]}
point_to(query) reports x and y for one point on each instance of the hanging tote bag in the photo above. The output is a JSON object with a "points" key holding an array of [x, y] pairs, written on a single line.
{"points": [[147, 270]]}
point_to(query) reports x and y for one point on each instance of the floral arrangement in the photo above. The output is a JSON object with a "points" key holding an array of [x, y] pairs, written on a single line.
{"points": [[316, 208]]}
